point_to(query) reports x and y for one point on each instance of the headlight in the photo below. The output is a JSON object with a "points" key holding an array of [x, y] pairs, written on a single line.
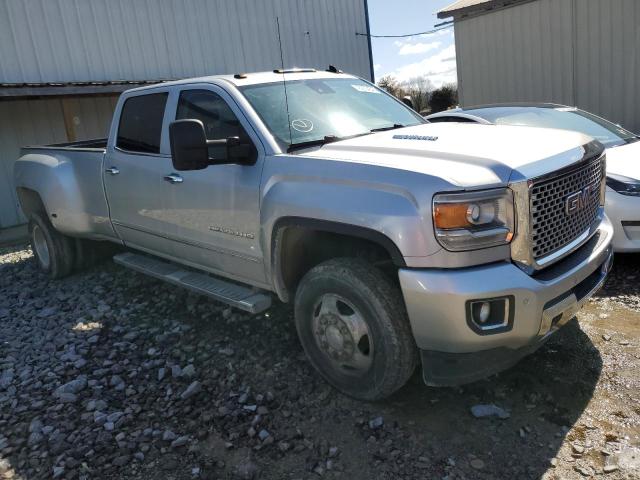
{"points": [[624, 185], [469, 221]]}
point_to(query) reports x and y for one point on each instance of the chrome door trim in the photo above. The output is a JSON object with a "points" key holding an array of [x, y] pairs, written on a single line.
{"points": [[188, 242], [143, 154]]}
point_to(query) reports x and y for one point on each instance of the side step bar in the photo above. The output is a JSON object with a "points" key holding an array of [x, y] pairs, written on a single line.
{"points": [[244, 298]]}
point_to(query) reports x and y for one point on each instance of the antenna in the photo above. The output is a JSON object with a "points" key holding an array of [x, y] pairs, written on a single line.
{"points": [[284, 81]]}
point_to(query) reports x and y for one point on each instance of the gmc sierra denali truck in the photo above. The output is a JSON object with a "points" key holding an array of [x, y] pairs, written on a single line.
{"points": [[463, 247]]}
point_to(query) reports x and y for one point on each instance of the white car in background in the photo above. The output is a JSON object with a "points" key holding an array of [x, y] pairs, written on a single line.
{"points": [[623, 154]]}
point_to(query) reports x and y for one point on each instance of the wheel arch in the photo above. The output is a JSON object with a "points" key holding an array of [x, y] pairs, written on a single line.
{"points": [[292, 236], [30, 201]]}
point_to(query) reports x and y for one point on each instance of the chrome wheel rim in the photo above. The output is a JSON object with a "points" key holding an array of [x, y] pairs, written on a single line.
{"points": [[41, 247], [342, 335]]}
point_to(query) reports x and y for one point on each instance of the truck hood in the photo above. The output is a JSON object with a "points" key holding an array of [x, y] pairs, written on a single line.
{"points": [[465, 155], [624, 160]]}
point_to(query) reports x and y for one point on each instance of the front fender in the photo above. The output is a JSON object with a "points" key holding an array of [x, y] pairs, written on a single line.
{"points": [[390, 213]]}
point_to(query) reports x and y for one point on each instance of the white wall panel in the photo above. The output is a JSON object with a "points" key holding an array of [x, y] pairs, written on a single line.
{"points": [[519, 53], [608, 59], [39, 122], [84, 40], [577, 52]]}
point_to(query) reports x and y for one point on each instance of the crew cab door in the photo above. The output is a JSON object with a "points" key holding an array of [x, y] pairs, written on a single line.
{"points": [[215, 212], [134, 168]]}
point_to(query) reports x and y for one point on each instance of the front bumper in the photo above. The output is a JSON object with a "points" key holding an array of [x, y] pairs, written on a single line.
{"points": [[624, 213], [454, 353]]}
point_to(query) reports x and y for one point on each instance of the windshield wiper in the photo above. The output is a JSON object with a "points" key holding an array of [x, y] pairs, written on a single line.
{"points": [[314, 143], [384, 129]]}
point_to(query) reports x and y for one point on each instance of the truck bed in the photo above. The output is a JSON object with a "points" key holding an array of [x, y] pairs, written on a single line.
{"points": [[68, 180], [91, 145]]}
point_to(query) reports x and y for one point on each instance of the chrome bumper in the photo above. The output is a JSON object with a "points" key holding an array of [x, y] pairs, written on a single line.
{"points": [[436, 299], [560, 312]]}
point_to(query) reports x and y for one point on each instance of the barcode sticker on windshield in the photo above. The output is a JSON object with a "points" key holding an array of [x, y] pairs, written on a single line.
{"points": [[366, 89]]}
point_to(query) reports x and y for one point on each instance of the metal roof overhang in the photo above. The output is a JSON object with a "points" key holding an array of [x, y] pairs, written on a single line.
{"points": [[21, 90], [462, 8]]}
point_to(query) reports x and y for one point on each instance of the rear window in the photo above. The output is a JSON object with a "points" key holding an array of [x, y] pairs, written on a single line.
{"points": [[141, 123]]}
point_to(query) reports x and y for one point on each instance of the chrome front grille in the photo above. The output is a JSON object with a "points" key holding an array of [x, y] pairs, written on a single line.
{"points": [[564, 207]]}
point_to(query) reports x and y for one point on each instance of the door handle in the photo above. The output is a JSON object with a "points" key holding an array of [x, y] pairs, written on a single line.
{"points": [[173, 178], [112, 170]]}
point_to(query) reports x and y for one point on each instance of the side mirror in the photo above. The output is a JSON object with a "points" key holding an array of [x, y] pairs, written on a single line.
{"points": [[408, 102], [188, 145]]}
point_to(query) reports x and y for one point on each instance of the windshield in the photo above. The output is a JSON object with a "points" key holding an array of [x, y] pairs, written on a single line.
{"points": [[609, 134], [326, 109]]}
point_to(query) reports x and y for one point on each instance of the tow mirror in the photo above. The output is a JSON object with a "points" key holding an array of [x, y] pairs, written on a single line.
{"points": [[190, 147]]}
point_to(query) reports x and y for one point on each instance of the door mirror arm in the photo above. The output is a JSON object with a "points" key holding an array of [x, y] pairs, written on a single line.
{"points": [[236, 151], [190, 147]]}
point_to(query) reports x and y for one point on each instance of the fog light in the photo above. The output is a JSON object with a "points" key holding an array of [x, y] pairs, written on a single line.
{"points": [[485, 311], [490, 315]]}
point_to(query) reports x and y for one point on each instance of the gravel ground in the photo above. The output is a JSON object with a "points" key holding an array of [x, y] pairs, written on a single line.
{"points": [[109, 374]]}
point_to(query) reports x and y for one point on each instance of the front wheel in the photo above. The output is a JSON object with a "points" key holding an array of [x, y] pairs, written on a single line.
{"points": [[353, 325]]}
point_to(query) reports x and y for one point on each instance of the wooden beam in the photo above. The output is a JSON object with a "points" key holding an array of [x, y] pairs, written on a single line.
{"points": [[68, 115], [74, 90]]}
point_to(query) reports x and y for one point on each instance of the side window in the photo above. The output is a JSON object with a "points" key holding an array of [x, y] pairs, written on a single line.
{"points": [[218, 118], [141, 123]]}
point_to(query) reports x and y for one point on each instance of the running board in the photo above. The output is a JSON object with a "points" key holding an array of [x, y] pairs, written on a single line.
{"points": [[244, 298]]}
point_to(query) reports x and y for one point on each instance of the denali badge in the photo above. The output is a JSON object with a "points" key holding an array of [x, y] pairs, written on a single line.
{"points": [[231, 231], [581, 199], [428, 138]]}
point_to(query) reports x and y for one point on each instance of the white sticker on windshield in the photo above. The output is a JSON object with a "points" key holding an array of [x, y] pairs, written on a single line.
{"points": [[366, 89], [302, 125]]}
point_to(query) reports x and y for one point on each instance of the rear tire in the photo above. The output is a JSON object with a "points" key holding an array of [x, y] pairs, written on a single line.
{"points": [[53, 251], [353, 325]]}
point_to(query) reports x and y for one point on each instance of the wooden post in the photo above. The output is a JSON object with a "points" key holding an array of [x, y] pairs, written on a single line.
{"points": [[67, 112]]}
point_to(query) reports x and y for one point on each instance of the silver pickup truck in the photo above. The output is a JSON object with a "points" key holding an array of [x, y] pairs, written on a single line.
{"points": [[463, 247]]}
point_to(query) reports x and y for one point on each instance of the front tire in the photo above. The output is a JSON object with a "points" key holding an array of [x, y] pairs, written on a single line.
{"points": [[353, 325], [52, 250]]}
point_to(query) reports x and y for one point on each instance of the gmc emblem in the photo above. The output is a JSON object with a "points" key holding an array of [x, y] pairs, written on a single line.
{"points": [[581, 199]]}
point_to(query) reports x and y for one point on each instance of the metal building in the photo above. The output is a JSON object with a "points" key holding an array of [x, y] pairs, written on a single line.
{"points": [[576, 52], [64, 62]]}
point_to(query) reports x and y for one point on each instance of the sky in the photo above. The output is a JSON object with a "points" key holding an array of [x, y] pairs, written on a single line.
{"points": [[431, 55]]}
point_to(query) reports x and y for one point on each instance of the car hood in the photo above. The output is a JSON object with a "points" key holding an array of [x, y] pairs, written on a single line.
{"points": [[466, 155], [624, 160]]}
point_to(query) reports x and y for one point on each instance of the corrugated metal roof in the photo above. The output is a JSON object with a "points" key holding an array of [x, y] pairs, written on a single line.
{"points": [[100, 40], [466, 7]]}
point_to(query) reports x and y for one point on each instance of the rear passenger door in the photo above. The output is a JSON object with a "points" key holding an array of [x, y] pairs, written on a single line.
{"points": [[133, 174]]}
